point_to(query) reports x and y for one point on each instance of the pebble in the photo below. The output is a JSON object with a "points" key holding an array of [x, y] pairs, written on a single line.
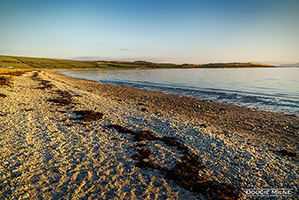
{"points": [[229, 160]]}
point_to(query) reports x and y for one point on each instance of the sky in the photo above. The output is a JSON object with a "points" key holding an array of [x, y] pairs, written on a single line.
{"points": [[171, 31]]}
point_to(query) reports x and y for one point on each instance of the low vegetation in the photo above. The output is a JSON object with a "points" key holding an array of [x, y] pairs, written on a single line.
{"points": [[7, 75], [13, 62], [41, 63]]}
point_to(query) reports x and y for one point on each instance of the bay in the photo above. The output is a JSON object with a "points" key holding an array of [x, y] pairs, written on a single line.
{"points": [[275, 89]]}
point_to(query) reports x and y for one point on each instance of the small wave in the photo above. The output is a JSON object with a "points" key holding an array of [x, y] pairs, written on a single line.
{"points": [[276, 100], [268, 102]]}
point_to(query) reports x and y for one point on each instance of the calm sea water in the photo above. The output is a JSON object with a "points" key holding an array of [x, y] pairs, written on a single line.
{"points": [[268, 88]]}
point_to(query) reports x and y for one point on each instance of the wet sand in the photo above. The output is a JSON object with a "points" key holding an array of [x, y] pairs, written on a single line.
{"points": [[73, 138]]}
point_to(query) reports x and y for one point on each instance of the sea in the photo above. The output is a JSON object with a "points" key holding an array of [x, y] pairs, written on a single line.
{"points": [[273, 89]]}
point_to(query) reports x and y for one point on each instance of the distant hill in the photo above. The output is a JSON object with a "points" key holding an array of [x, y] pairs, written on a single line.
{"points": [[46, 63], [41, 63], [227, 65], [290, 65], [150, 65]]}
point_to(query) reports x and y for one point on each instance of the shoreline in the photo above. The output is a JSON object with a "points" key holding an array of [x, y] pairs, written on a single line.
{"points": [[261, 100], [73, 138], [219, 116]]}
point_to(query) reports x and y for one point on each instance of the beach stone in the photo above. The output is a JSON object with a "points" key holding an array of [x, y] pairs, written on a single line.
{"points": [[26, 195], [97, 159]]}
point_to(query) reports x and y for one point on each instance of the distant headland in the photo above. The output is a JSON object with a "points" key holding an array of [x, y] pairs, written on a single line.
{"points": [[46, 63]]}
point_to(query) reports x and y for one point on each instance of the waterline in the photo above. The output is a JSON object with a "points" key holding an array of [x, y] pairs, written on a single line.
{"points": [[272, 89]]}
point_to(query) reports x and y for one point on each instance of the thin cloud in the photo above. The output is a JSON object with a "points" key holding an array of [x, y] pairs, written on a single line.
{"points": [[153, 48], [89, 58], [126, 49]]}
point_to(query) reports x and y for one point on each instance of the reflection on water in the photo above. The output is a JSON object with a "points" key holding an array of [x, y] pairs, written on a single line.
{"points": [[270, 88]]}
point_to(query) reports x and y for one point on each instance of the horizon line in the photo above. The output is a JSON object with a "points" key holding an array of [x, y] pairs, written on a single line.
{"points": [[98, 58]]}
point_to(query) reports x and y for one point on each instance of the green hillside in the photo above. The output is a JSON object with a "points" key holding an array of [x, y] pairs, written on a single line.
{"points": [[46, 63], [41, 63]]}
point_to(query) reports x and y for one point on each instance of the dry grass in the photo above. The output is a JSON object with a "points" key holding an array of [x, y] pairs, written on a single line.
{"points": [[261, 64], [7, 75], [9, 71]]}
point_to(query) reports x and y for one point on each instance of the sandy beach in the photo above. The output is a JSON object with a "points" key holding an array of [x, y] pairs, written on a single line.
{"points": [[65, 138]]}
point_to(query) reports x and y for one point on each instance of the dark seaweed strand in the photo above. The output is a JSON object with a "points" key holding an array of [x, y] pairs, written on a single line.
{"points": [[64, 99], [88, 115], [184, 173]]}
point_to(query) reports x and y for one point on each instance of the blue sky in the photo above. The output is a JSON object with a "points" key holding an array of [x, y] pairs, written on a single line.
{"points": [[178, 31]]}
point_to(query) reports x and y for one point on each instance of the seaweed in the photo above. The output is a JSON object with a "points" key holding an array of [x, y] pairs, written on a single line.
{"points": [[5, 81], [143, 109], [65, 99], [61, 100], [34, 75], [287, 153], [46, 86], [142, 154], [171, 141], [64, 93], [28, 109], [186, 173], [88, 115], [204, 125], [3, 95], [150, 164], [138, 135], [6, 78], [62, 111], [138, 145]]}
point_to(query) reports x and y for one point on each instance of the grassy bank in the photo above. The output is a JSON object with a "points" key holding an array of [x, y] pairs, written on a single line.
{"points": [[12, 62], [41, 63]]}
